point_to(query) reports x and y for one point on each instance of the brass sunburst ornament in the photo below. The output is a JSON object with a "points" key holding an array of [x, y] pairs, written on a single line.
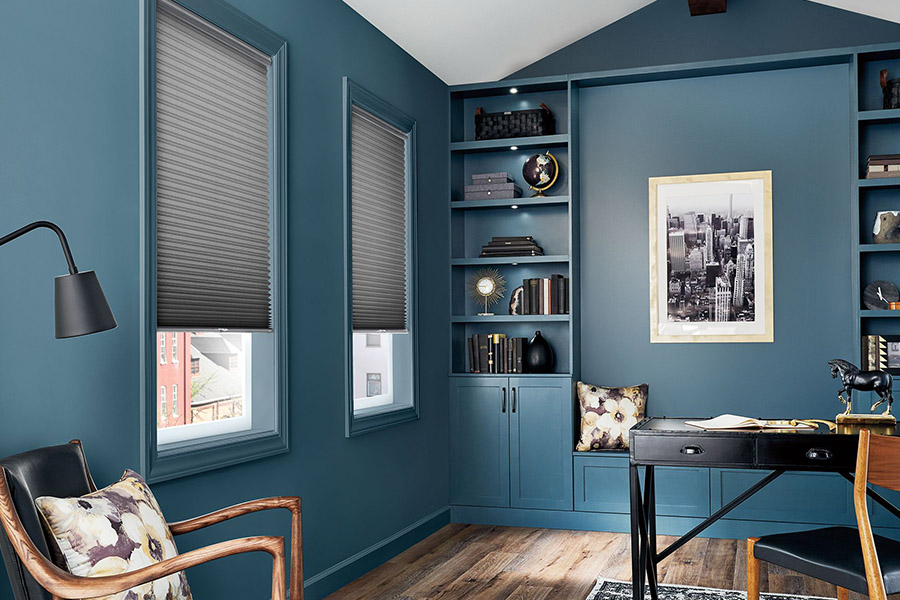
{"points": [[487, 285]]}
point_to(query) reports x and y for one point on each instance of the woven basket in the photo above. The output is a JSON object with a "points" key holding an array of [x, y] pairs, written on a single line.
{"points": [[514, 123], [891, 90]]}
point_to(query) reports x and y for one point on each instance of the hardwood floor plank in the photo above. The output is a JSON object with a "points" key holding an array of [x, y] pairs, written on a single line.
{"points": [[482, 562]]}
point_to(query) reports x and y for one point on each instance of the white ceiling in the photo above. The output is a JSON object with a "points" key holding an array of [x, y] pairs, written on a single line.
{"points": [[469, 41]]}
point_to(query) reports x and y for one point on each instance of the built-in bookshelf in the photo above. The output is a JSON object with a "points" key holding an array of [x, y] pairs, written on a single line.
{"points": [[875, 130], [551, 219]]}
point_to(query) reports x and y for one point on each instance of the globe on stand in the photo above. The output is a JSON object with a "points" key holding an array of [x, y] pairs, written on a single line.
{"points": [[540, 172]]}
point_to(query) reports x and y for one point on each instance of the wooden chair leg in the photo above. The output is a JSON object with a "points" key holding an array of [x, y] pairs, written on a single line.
{"points": [[843, 593], [753, 571]]}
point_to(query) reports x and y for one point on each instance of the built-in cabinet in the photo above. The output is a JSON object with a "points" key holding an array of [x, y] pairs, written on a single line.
{"points": [[510, 442]]}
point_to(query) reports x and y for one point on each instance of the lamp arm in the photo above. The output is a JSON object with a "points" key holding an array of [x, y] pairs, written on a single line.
{"points": [[53, 227]]}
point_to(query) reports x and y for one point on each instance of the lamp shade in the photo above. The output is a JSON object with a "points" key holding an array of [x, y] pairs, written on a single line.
{"points": [[81, 306]]}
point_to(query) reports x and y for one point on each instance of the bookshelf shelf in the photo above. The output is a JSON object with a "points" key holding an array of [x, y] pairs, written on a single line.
{"points": [[885, 182], [881, 314], [509, 203], [509, 260], [879, 247], [880, 116], [509, 318], [505, 144]]}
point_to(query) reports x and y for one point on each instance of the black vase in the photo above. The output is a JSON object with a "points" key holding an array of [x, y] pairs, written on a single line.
{"points": [[539, 358]]}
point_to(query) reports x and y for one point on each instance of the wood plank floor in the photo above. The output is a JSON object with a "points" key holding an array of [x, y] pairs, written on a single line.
{"points": [[480, 562]]}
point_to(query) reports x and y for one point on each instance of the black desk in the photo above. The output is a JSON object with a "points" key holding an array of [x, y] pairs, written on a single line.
{"points": [[669, 442]]}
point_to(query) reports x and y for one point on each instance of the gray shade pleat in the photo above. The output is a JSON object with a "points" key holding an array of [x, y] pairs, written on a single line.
{"points": [[378, 223], [213, 257]]}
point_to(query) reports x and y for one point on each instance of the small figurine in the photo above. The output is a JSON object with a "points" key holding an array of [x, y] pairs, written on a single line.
{"points": [[852, 378]]}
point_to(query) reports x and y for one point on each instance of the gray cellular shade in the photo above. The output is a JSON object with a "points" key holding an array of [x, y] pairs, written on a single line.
{"points": [[378, 214], [212, 154]]}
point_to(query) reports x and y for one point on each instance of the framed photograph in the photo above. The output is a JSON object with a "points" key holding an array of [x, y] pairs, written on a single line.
{"points": [[711, 258]]}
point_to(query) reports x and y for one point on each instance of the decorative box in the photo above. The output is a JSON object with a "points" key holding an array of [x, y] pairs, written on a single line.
{"points": [[514, 123]]}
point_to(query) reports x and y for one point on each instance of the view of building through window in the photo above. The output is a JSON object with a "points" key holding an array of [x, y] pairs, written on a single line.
{"points": [[372, 369], [205, 378]]}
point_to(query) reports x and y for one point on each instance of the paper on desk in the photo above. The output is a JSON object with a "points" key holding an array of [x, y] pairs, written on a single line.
{"points": [[735, 422]]}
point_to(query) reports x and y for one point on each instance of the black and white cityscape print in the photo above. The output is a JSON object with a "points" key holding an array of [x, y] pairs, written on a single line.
{"points": [[710, 258]]}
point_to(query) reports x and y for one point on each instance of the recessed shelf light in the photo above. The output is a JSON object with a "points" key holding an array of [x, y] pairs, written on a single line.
{"points": [[513, 90], [513, 147], [515, 206], [515, 264]]}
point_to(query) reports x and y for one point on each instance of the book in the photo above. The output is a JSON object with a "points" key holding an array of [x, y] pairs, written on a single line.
{"points": [[473, 366], [483, 353], [883, 159], [535, 297], [526, 298], [727, 421], [520, 351]]}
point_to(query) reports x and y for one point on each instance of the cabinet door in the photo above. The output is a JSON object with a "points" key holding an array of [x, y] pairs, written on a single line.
{"points": [[541, 443], [479, 441]]}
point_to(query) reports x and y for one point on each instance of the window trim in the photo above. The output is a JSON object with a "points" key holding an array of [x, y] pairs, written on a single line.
{"points": [[213, 452], [374, 420]]}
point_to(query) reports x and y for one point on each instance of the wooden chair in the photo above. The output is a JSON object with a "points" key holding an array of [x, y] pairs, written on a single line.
{"points": [[62, 471], [852, 559]]}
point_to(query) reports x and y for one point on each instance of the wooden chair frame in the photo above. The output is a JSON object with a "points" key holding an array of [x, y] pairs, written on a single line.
{"points": [[63, 585], [886, 472]]}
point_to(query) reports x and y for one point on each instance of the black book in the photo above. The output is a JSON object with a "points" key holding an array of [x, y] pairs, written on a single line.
{"points": [[504, 348], [513, 238], [520, 351], [534, 290], [506, 243], [476, 354], [510, 366], [500, 253], [470, 347], [565, 304], [526, 298], [483, 353]]}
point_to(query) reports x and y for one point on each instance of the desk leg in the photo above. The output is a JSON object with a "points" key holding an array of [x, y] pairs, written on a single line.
{"points": [[637, 543], [650, 517]]}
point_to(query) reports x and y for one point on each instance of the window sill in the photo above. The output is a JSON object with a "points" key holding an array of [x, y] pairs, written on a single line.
{"points": [[182, 459], [374, 419]]}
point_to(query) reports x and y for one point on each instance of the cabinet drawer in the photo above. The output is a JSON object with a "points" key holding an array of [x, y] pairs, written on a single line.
{"points": [[808, 452], [686, 450]]}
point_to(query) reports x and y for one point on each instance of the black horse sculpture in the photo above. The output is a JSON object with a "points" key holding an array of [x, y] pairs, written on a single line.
{"points": [[864, 381]]}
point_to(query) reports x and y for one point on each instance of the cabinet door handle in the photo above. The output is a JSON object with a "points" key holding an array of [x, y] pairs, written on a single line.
{"points": [[503, 405], [691, 450], [818, 454], [514, 400]]}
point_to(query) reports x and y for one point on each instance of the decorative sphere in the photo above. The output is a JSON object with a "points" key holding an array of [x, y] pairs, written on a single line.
{"points": [[540, 171]]}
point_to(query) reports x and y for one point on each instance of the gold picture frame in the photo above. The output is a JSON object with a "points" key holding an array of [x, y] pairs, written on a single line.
{"points": [[687, 308]]}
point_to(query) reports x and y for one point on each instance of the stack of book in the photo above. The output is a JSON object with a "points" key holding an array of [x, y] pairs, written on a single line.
{"points": [[883, 165], [494, 353], [546, 296], [522, 245], [492, 186]]}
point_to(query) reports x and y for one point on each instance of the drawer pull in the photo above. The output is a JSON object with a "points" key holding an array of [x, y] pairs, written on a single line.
{"points": [[691, 450], [818, 454]]}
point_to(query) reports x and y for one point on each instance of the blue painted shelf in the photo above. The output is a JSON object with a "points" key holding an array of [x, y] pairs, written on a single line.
{"points": [[879, 247], [508, 318], [880, 116], [509, 203], [522, 143], [508, 260], [880, 183], [884, 314]]}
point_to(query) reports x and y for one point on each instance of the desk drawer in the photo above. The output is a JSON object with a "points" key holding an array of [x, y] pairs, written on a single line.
{"points": [[693, 450], [808, 452]]}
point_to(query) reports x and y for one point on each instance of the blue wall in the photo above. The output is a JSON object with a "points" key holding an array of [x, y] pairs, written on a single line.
{"points": [[747, 122], [664, 33], [69, 152]]}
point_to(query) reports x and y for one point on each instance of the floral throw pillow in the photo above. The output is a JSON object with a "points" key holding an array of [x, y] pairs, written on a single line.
{"points": [[112, 531], [607, 413]]}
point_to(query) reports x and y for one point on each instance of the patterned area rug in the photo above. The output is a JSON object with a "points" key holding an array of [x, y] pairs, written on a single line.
{"points": [[609, 589]]}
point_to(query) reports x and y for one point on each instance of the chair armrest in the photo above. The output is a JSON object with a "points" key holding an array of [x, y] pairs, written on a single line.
{"points": [[65, 585], [291, 503]]}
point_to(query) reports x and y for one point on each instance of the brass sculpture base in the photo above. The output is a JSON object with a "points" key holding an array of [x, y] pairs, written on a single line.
{"points": [[859, 419]]}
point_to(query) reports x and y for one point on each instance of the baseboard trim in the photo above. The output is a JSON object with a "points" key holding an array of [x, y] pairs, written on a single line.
{"points": [[337, 576]]}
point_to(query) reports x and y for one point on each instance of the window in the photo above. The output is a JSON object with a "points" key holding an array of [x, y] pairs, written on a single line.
{"points": [[215, 202], [380, 173]]}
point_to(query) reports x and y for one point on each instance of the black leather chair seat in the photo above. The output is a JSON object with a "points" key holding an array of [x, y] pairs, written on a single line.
{"points": [[832, 554]]}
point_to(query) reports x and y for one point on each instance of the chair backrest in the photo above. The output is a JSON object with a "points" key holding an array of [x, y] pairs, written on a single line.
{"points": [[59, 471]]}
